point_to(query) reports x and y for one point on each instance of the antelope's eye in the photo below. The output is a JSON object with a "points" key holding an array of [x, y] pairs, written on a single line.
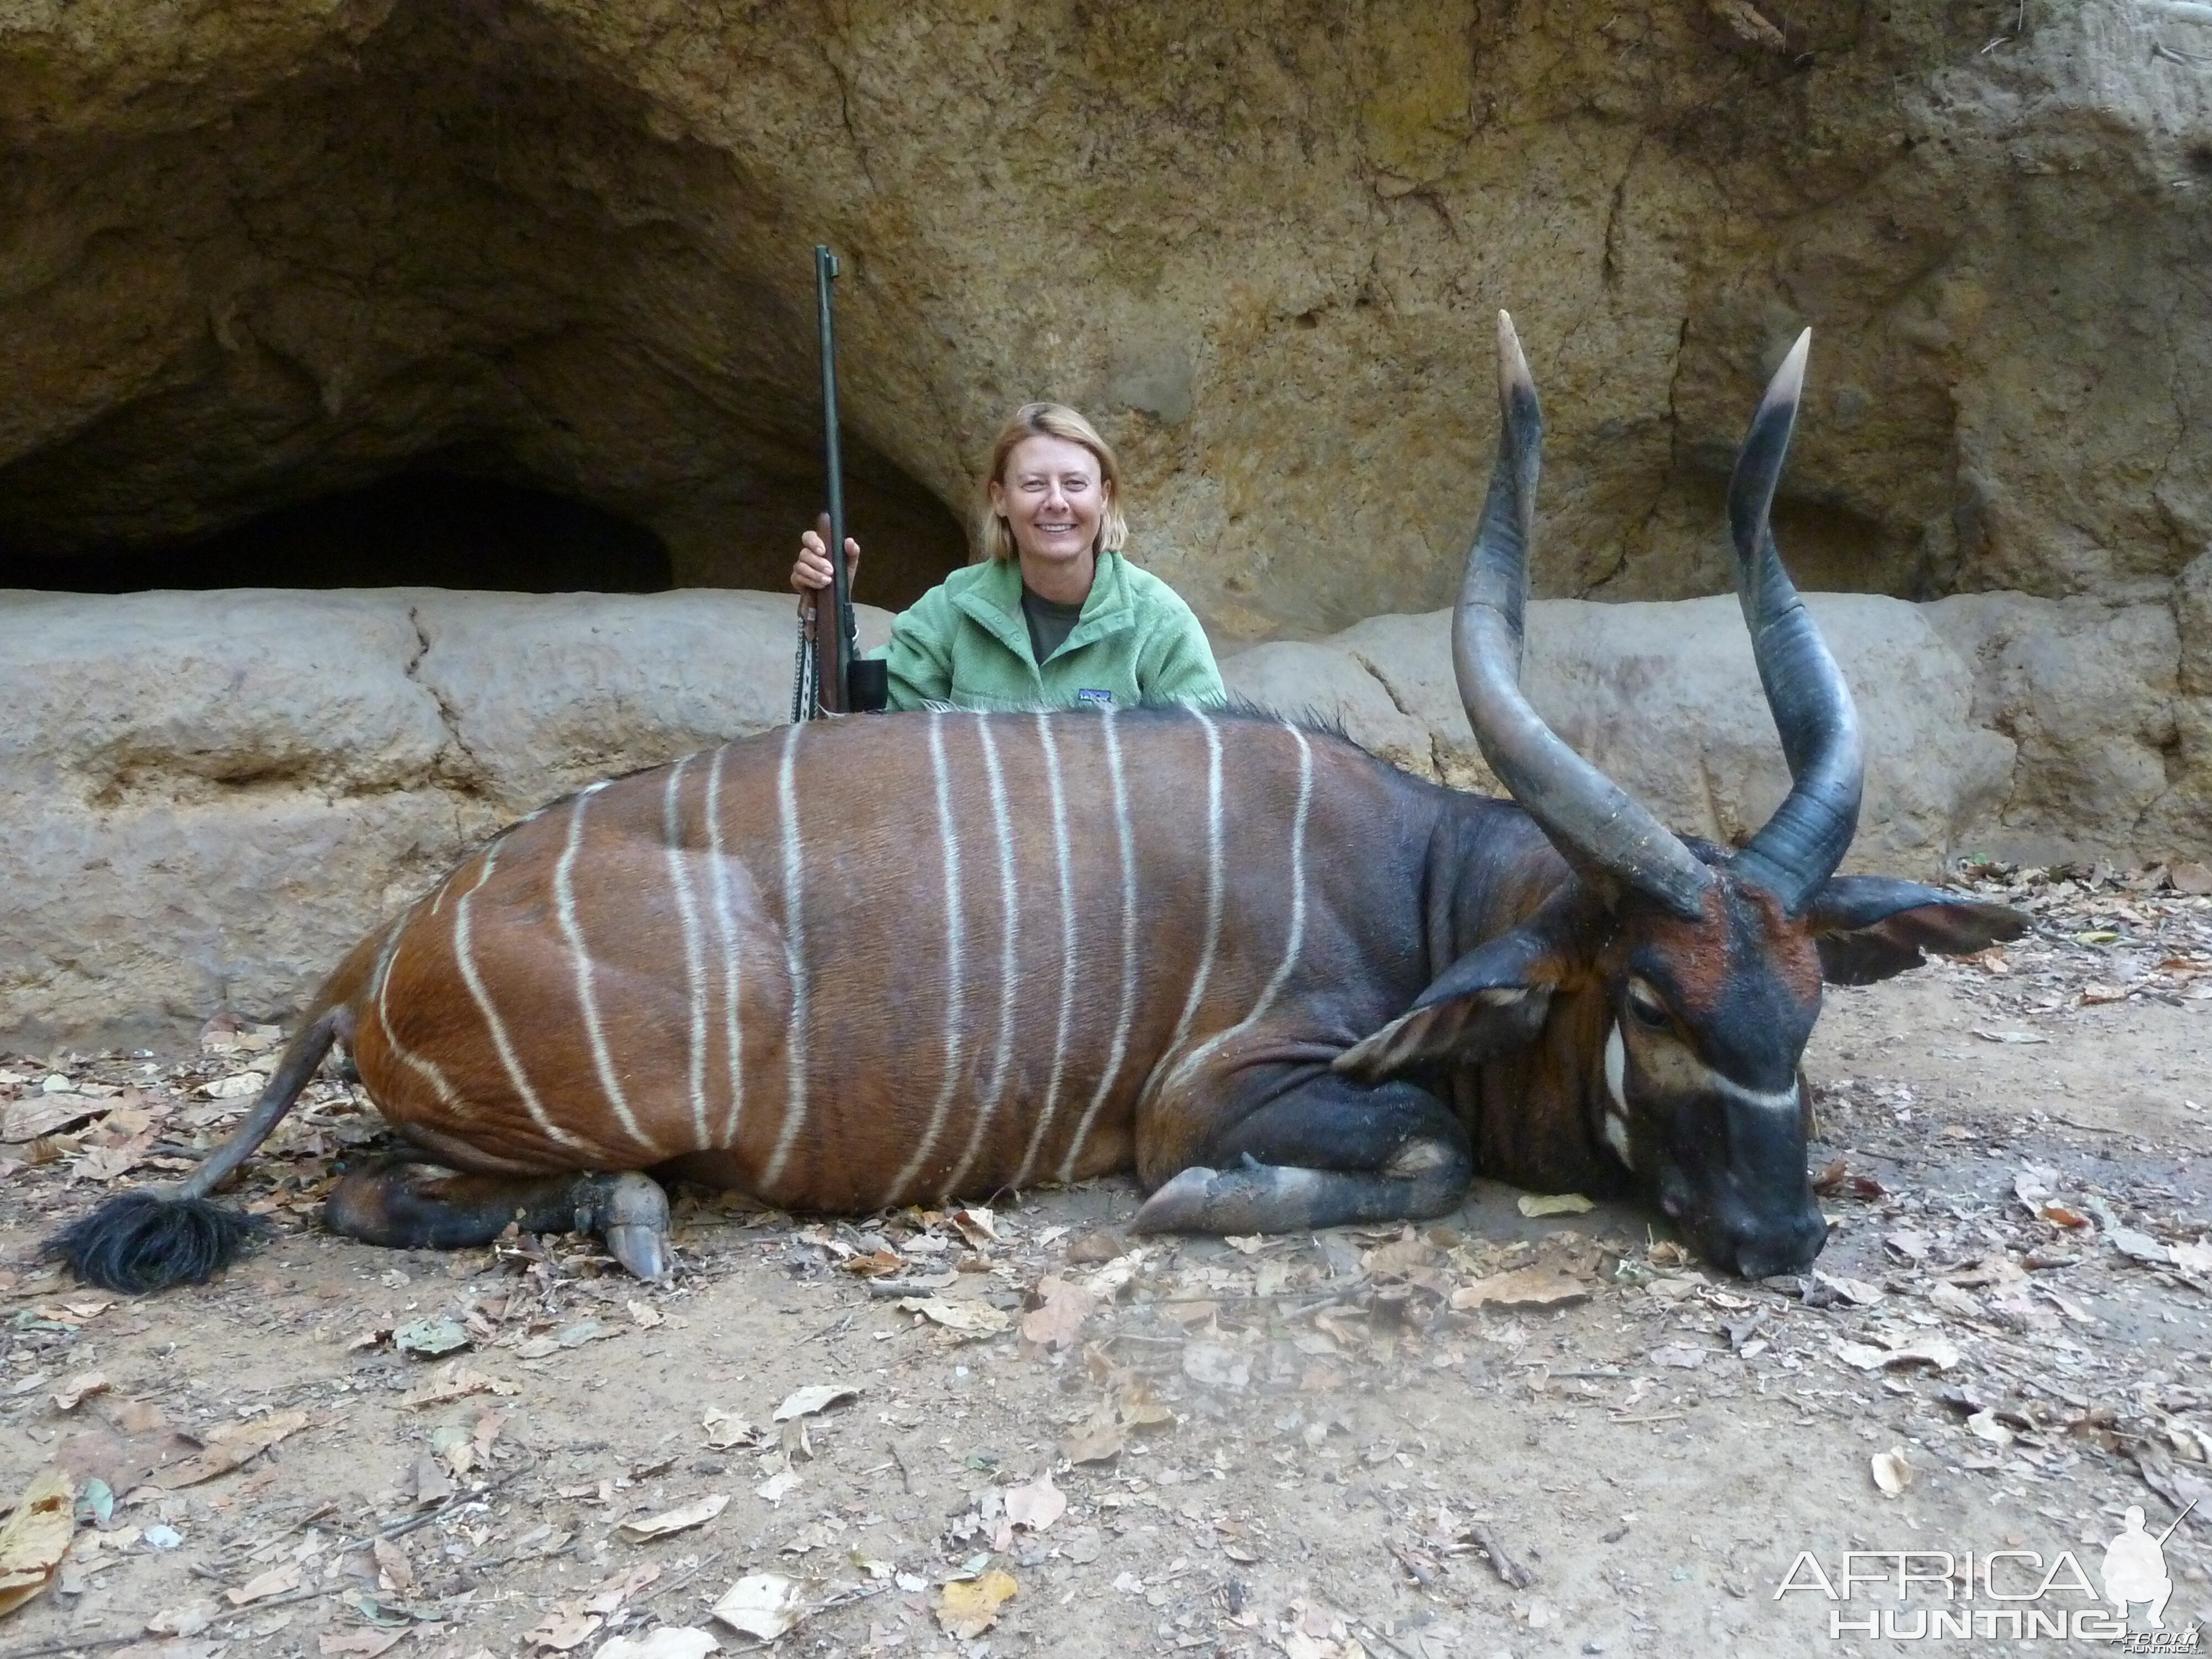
{"points": [[1649, 1012]]}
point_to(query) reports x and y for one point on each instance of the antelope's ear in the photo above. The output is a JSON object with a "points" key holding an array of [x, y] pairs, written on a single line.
{"points": [[1492, 999], [1869, 927]]}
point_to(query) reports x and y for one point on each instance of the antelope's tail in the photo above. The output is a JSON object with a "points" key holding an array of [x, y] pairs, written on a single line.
{"points": [[172, 1233]]}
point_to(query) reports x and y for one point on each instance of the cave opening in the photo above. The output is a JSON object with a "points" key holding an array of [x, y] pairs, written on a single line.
{"points": [[446, 305], [420, 527]]}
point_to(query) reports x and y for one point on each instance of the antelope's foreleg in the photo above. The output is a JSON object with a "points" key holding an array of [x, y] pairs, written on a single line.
{"points": [[415, 1205], [1323, 1153]]}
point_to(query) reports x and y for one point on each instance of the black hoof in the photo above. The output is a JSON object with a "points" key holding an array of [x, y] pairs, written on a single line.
{"points": [[630, 1212]]}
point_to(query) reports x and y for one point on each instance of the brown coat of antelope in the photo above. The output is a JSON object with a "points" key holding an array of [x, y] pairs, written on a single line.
{"points": [[896, 958]]}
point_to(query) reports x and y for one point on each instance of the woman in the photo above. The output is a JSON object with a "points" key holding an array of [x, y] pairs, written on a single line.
{"points": [[1054, 617]]}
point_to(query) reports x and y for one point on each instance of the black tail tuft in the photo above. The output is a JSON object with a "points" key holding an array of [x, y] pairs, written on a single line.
{"points": [[144, 1241]]}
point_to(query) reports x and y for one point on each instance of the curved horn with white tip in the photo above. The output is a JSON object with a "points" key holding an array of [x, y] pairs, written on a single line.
{"points": [[1588, 816], [1800, 847]]}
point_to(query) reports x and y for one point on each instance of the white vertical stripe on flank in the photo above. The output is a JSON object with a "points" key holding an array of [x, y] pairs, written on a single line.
{"points": [[1066, 949], [447, 1098], [794, 954], [948, 837], [726, 931], [1213, 851], [1010, 907], [1294, 935], [587, 999], [695, 967], [465, 954], [1120, 1048]]}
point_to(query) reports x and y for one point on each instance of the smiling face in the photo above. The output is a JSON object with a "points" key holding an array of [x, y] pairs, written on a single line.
{"points": [[1054, 500], [1700, 1096]]}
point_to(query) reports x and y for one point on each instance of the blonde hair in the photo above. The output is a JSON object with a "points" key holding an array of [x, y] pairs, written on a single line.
{"points": [[1051, 421]]}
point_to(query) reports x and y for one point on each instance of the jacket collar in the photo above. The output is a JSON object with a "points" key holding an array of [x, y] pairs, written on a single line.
{"points": [[994, 600]]}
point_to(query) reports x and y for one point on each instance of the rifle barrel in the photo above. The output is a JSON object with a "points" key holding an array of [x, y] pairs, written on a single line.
{"points": [[835, 642]]}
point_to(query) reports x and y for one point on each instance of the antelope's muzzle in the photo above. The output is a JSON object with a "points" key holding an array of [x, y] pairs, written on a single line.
{"points": [[1743, 1195]]}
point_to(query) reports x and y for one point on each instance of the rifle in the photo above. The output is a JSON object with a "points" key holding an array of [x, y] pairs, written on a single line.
{"points": [[831, 677]]}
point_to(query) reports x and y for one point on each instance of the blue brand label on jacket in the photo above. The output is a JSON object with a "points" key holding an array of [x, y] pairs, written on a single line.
{"points": [[1100, 697]]}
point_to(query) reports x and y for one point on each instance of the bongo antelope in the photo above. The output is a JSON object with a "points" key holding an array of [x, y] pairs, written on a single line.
{"points": [[865, 963]]}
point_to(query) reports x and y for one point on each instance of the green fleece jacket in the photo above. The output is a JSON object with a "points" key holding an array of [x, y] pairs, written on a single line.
{"points": [[966, 642]]}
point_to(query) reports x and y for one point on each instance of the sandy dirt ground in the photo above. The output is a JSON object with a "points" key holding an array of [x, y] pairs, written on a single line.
{"points": [[1030, 1434]]}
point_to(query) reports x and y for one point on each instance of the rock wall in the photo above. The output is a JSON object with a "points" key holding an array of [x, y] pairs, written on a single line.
{"points": [[256, 251], [206, 798]]}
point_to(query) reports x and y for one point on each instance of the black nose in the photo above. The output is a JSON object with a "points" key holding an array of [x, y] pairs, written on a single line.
{"points": [[1756, 1248]]}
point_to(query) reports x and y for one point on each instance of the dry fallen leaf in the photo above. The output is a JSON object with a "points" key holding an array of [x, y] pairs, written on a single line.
{"points": [[818, 1536], [395, 1572], [75, 1389], [777, 1487], [1037, 1504], [1403, 1256], [763, 1605], [969, 1606], [277, 1580], [43, 1114], [189, 1620], [977, 1225], [696, 1513], [1217, 1365], [1097, 1439], [610, 1597], [726, 1430], [364, 1642], [1984, 1426], [1523, 1287], [876, 1264], [1554, 1204], [968, 1320], [2193, 1258], [669, 1642], [1056, 1323], [1953, 1300], [456, 1382], [36, 1537], [1893, 1351], [1857, 1292], [1134, 1400], [1891, 1472], [226, 1447], [1924, 1350], [818, 1397], [566, 1626]]}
